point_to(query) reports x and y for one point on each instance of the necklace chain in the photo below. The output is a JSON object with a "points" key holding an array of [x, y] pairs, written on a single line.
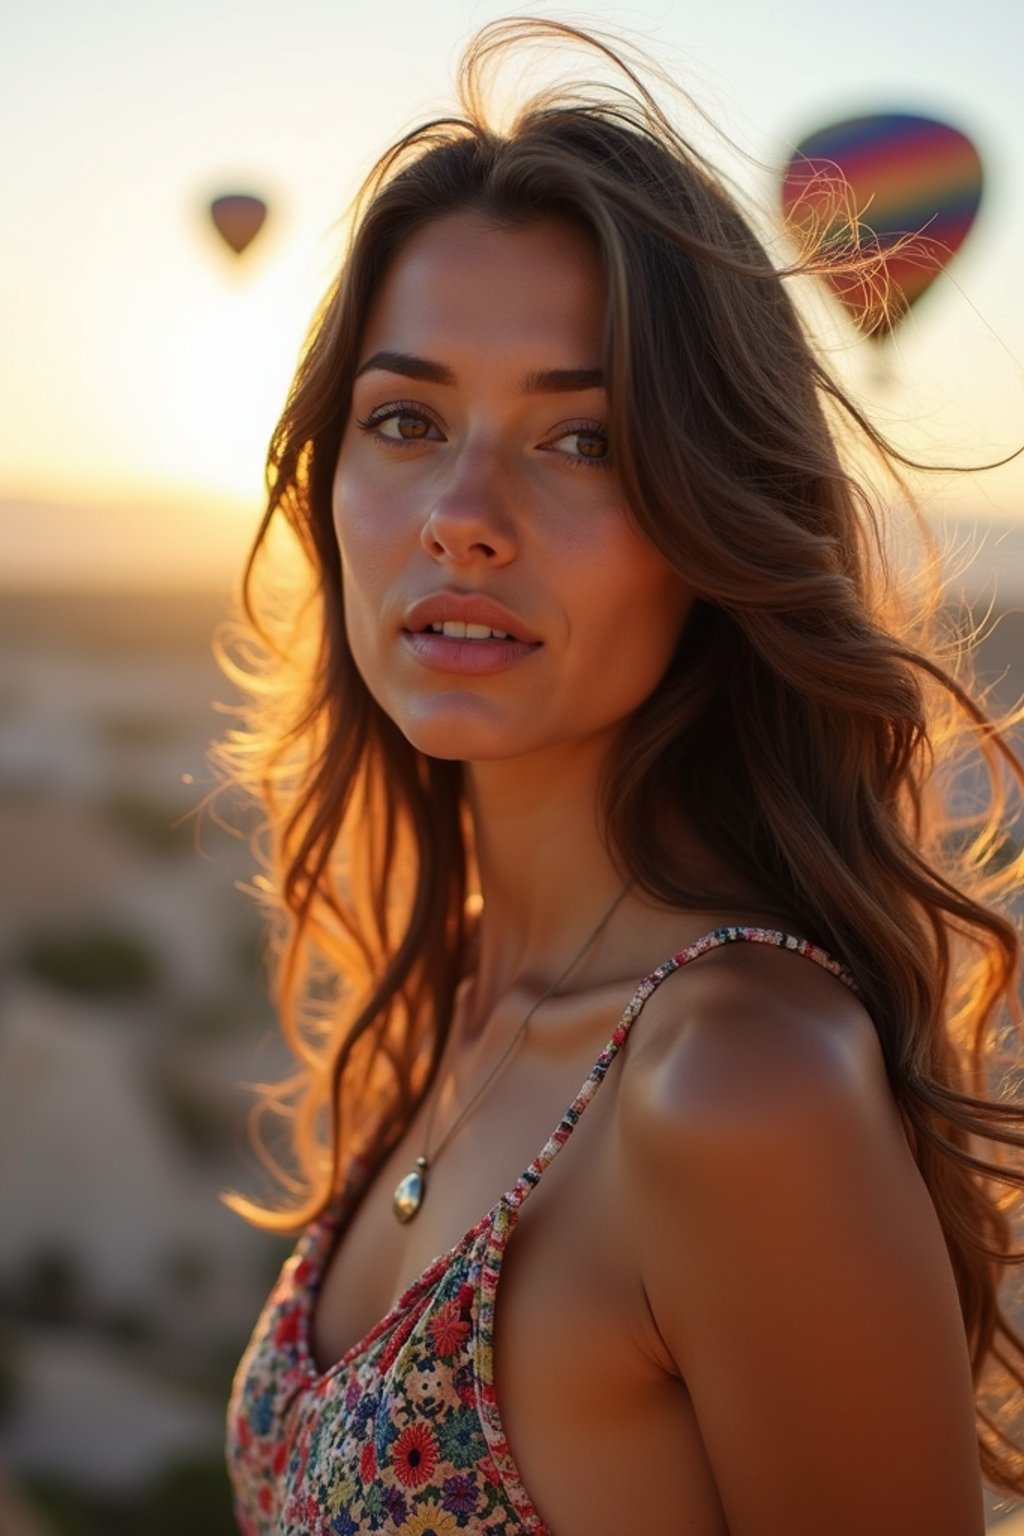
{"points": [[409, 1194]]}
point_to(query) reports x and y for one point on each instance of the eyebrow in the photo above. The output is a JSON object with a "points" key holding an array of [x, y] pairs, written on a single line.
{"points": [[541, 381]]}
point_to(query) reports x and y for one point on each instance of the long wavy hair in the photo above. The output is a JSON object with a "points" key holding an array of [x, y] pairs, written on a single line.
{"points": [[818, 711]]}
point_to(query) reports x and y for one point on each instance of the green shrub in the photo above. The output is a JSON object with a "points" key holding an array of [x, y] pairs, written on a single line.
{"points": [[8, 1378], [199, 1125], [191, 1495], [94, 962], [68, 1512], [50, 1284], [155, 826], [191, 1498]]}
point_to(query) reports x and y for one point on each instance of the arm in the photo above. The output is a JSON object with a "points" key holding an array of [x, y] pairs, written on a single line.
{"points": [[794, 1264]]}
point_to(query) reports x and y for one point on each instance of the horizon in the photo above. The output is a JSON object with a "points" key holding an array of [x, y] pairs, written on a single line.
{"points": [[55, 550]]}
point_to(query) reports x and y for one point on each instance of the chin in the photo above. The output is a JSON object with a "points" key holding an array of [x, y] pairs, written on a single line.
{"points": [[461, 746], [454, 739]]}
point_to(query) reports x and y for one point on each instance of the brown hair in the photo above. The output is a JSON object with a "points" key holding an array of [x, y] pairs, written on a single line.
{"points": [[806, 710]]}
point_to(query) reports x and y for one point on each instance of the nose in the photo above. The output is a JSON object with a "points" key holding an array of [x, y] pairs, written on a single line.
{"points": [[468, 519]]}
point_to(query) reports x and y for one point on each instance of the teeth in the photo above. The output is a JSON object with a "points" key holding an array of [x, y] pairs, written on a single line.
{"points": [[456, 630]]}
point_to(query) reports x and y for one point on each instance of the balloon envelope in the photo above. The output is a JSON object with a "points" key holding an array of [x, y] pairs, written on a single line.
{"points": [[238, 218], [905, 175]]}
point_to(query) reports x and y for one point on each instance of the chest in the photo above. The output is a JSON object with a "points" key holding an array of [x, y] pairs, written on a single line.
{"points": [[581, 1389], [575, 1203]]}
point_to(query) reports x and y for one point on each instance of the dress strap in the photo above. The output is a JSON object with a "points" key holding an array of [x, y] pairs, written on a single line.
{"points": [[531, 1176]]}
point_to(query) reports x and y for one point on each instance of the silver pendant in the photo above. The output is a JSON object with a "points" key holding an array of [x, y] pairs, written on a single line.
{"points": [[408, 1196]]}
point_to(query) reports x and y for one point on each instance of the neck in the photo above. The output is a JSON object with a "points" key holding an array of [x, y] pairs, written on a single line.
{"points": [[544, 873], [547, 879]]}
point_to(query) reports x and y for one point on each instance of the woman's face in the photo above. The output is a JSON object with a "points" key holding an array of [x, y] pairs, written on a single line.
{"points": [[476, 485]]}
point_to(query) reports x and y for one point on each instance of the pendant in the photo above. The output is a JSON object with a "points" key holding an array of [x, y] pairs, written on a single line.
{"points": [[408, 1196]]}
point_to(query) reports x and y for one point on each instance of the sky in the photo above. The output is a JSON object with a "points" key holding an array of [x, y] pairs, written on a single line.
{"points": [[143, 366]]}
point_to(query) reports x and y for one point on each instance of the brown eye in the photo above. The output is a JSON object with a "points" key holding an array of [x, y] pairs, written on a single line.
{"points": [[411, 426], [582, 442], [397, 424], [591, 445]]}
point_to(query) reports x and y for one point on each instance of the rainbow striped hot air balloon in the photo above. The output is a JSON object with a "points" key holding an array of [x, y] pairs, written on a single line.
{"points": [[901, 175]]}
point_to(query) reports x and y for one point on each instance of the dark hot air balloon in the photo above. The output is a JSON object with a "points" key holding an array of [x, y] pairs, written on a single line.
{"points": [[238, 218], [904, 175]]}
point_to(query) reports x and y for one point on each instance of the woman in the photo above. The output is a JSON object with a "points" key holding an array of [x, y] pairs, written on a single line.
{"points": [[600, 702]]}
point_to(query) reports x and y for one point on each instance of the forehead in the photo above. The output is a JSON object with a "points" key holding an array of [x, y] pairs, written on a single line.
{"points": [[464, 281]]}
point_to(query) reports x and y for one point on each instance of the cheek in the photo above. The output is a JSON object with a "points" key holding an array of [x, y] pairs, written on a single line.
{"points": [[362, 549], [640, 604], [671, 601], [366, 535], [353, 527]]}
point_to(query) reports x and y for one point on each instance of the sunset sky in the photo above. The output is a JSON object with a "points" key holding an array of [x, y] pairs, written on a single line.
{"points": [[144, 365]]}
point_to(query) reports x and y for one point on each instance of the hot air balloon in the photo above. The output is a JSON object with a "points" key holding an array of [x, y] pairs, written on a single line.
{"points": [[903, 175], [238, 218]]}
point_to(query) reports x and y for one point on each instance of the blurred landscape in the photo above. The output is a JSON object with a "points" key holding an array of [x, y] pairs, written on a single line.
{"points": [[132, 1008]]}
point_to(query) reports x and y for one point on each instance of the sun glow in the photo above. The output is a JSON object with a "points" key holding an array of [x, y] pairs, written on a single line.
{"points": [[146, 461], [147, 364]]}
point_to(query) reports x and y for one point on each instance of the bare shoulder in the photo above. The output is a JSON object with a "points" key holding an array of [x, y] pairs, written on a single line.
{"points": [[742, 1039], [791, 1258]]}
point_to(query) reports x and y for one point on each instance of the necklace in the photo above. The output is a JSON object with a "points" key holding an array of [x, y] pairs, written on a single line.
{"points": [[410, 1191]]}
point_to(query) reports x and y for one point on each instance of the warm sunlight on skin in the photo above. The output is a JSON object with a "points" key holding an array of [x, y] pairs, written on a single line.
{"points": [[478, 478]]}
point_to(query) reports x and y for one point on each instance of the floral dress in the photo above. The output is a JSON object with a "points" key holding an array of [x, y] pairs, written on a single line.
{"points": [[403, 1434]]}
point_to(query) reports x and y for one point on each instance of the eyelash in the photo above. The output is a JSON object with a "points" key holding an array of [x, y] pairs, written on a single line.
{"points": [[584, 429], [383, 413]]}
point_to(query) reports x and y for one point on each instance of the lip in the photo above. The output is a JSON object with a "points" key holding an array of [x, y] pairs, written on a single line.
{"points": [[472, 658], [469, 608]]}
